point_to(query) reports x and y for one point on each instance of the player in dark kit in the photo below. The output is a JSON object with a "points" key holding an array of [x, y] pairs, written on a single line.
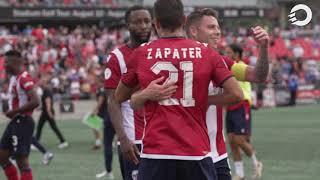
{"points": [[17, 137], [47, 114], [175, 144]]}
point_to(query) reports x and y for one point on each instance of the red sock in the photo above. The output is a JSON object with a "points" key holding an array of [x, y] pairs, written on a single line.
{"points": [[11, 172], [26, 175]]}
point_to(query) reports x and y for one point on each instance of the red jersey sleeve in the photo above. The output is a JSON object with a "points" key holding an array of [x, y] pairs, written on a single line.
{"points": [[229, 62], [130, 78], [26, 82], [220, 72], [112, 73]]}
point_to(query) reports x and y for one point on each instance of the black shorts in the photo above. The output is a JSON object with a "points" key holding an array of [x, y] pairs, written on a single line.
{"points": [[160, 169], [238, 121], [223, 169], [17, 137]]}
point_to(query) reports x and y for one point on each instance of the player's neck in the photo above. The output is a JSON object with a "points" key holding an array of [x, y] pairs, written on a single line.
{"points": [[17, 71], [133, 43], [167, 33]]}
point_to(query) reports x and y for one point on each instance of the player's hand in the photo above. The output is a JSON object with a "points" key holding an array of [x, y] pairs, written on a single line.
{"points": [[261, 36], [129, 150], [156, 92], [11, 114]]}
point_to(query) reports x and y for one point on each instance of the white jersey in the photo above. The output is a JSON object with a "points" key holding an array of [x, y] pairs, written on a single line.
{"points": [[214, 119], [18, 88]]}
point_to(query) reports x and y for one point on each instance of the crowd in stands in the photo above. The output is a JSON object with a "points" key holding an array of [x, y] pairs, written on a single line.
{"points": [[74, 59]]}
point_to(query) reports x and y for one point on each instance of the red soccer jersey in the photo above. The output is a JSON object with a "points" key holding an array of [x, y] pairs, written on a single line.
{"points": [[176, 128], [116, 66], [19, 87]]}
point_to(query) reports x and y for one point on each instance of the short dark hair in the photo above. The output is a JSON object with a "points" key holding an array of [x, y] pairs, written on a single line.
{"points": [[236, 49], [169, 13], [196, 15], [13, 53], [131, 9]]}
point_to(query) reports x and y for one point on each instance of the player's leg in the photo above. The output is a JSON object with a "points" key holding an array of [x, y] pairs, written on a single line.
{"points": [[108, 135], [47, 156], [223, 169], [242, 129], [5, 152], [9, 169], [108, 139], [23, 133], [201, 170], [237, 159], [121, 162], [24, 167], [41, 122], [56, 130], [157, 169], [97, 136], [232, 122]]}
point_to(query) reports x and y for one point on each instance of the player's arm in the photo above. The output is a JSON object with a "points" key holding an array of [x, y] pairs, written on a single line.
{"points": [[232, 93], [153, 92], [260, 71], [221, 76], [124, 92], [115, 96], [32, 103]]}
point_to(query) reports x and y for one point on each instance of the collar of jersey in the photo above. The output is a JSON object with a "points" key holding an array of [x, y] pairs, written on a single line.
{"points": [[172, 37]]}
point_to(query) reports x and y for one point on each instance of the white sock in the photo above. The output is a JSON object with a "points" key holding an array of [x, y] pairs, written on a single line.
{"points": [[238, 165], [254, 160], [98, 142]]}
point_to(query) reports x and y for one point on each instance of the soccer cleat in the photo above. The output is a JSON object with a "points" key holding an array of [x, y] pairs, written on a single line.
{"points": [[96, 147], [236, 177], [63, 145], [108, 175], [33, 148], [257, 171], [47, 157]]}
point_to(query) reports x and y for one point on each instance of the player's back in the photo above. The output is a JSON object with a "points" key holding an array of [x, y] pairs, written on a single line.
{"points": [[176, 127]]}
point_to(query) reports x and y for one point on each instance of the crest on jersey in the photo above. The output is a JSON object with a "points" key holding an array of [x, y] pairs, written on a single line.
{"points": [[134, 174], [107, 73]]}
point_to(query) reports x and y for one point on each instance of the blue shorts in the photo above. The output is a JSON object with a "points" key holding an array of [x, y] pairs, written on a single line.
{"points": [[223, 169], [163, 169], [17, 137], [238, 121]]}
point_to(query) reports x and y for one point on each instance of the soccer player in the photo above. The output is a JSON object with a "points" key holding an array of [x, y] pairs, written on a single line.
{"points": [[128, 124], [47, 156], [17, 137], [108, 130], [175, 142], [238, 123], [47, 114], [203, 25]]}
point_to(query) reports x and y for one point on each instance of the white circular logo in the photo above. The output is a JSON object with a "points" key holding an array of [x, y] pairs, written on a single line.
{"points": [[107, 74], [293, 18]]}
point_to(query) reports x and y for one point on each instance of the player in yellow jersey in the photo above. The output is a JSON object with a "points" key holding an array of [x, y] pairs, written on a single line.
{"points": [[238, 123]]}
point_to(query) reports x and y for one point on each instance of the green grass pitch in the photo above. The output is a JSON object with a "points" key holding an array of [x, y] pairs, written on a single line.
{"points": [[286, 140]]}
